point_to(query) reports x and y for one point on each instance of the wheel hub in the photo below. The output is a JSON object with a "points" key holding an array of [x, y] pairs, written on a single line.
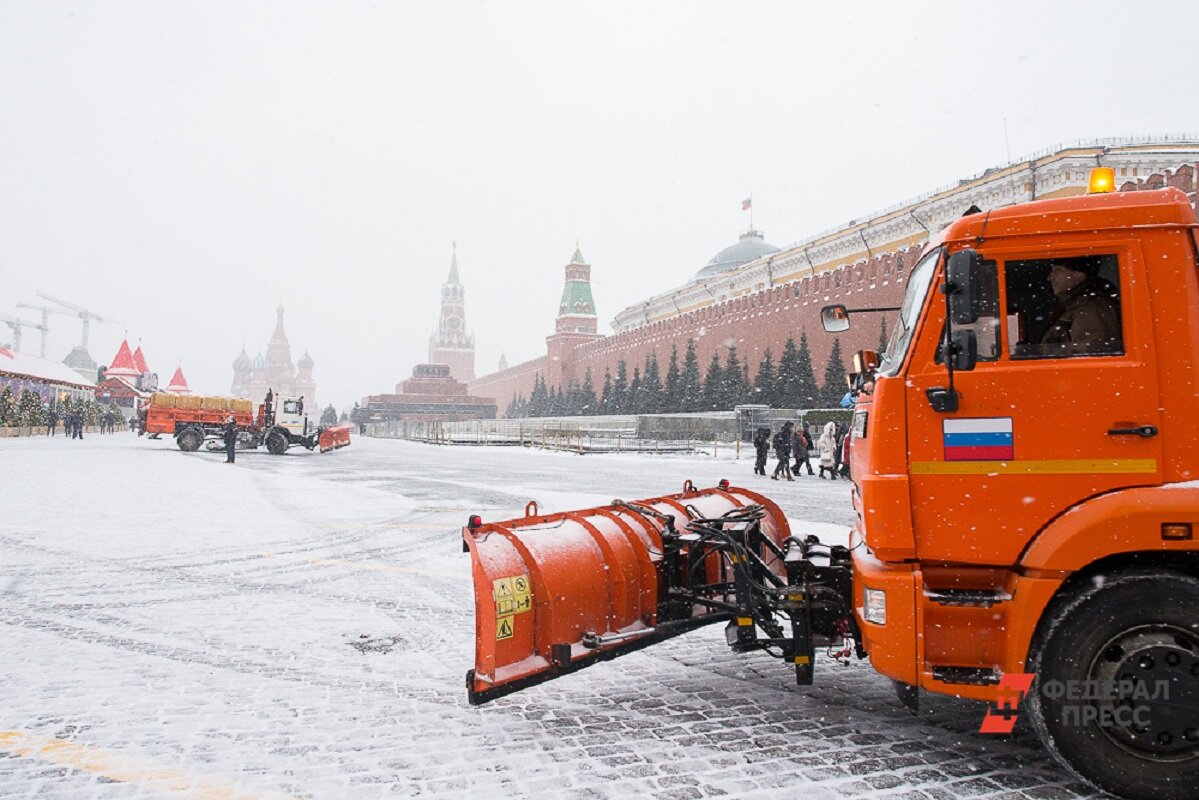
{"points": [[1148, 682]]}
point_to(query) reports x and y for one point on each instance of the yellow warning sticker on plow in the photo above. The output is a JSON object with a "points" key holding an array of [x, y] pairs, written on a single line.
{"points": [[521, 597], [503, 628], [512, 596]]}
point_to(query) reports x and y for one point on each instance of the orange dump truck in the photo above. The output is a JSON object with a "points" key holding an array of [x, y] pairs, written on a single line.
{"points": [[1026, 478], [194, 420]]}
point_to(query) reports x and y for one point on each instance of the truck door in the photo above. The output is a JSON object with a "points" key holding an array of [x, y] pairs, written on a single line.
{"points": [[1062, 404]]}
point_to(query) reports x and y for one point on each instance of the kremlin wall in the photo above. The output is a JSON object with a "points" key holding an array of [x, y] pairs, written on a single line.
{"points": [[754, 295]]}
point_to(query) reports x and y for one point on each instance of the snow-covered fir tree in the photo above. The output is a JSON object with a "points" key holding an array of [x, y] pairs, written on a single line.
{"points": [[766, 381], [690, 388], [672, 399], [834, 386]]}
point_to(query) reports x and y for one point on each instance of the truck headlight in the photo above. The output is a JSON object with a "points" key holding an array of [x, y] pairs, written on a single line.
{"points": [[876, 606]]}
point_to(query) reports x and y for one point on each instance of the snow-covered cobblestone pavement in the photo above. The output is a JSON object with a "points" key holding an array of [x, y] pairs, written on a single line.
{"points": [[172, 626]]}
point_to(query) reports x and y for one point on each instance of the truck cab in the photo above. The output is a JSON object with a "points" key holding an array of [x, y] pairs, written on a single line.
{"points": [[291, 416], [1024, 463]]}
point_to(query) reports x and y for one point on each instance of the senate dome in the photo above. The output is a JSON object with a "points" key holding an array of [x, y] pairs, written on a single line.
{"points": [[751, 246]]}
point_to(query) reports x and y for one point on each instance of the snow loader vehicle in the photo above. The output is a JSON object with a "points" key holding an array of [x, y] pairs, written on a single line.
{"points": [[1024, 466], [197, 421]]}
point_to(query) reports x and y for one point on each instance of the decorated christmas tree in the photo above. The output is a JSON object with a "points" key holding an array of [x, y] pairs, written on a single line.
{"points": [[29, 409], [8, 407]]}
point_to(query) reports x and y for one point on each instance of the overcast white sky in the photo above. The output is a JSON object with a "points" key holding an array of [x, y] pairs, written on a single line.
{"points": [[184, 167]]}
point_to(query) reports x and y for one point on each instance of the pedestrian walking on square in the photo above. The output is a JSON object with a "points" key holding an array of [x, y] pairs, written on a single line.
{"points": [[827, 448], [762, 450], [801, 444], [782, 451], [51, 423], [230, 439], [843, 467]]}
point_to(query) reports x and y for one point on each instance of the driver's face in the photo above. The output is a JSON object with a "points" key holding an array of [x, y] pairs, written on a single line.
{"points": [[1062, 279]]}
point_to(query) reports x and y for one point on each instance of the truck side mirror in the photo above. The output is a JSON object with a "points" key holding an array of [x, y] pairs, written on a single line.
{"points": [[834, 319], [964, 350], [962, 287]]}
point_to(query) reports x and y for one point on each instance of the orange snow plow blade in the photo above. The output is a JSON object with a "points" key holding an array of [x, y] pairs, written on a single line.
{"points": [[333, 437], [555, 593]]}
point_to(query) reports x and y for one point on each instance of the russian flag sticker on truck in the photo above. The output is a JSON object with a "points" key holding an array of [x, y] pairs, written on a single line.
{"points": [[981, 439]]}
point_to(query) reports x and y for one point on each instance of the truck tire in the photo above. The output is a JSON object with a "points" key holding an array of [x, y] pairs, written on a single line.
{"points": [[1117, 692], [276, 443], [190, 439], [907, 694]]}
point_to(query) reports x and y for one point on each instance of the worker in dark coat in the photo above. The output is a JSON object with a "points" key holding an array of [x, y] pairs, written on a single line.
{"points": [[782, 451], [268, 414], [801, 444], [230, 439], [762, 449]]}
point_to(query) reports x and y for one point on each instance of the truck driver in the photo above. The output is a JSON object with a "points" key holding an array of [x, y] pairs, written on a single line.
{"points": [[1086, 317]]}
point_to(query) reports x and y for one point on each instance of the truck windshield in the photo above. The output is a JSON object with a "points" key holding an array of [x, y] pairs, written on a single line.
{"points": [[913, 301]]}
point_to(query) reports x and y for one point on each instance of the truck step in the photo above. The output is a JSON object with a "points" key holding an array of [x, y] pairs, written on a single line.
{"points": [[980, 598], [969, 676]]}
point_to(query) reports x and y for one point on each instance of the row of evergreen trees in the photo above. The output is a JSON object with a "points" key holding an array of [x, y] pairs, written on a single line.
{"points": [[789, 382], [27, 409]]}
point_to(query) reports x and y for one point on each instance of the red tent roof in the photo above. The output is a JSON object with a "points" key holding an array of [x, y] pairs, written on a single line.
{"points": [[178, 384], [139, 360], [123, 363]]}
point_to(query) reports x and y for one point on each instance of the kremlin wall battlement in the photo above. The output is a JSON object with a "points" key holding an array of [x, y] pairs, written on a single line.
{"points": [[754, 296], [753, 322]]}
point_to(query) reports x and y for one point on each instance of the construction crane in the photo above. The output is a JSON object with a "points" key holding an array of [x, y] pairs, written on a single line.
{"points": [[45, 326], [16, 325], [84, 315]]}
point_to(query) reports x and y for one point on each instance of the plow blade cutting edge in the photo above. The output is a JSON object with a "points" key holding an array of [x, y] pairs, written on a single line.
{"points": [[558, 592], [333, 437]]}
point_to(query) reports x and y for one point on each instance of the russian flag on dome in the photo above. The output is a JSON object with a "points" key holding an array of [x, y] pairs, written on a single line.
{"points": [[981, 439], [747, 203]]}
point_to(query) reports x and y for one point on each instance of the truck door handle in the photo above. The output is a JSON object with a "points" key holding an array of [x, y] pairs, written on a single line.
{"points": [[1144, 431]]}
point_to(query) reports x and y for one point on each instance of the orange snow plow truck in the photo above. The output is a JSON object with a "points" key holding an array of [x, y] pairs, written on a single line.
{"points": [[1025, 463], [195, 420]]}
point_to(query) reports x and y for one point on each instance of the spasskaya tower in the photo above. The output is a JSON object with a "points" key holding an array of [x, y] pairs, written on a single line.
{"points": [[450, 343]]}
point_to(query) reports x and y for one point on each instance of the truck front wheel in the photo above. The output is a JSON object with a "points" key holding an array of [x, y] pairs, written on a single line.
{"points": [[1117, 689], [190, 440], [276, 443]]}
